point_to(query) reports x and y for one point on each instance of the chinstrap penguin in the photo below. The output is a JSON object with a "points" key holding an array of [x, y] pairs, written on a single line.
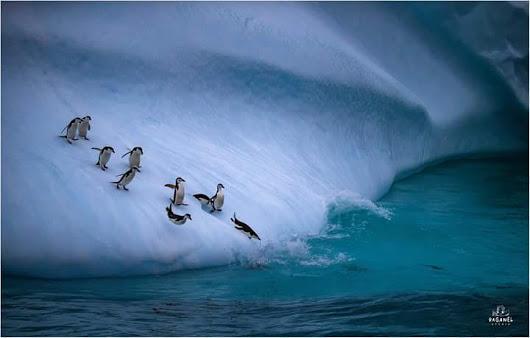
{"points": [[71, 130], [126, 178], [84, 127], [134, 157], [218, 199], [177, 219], [202, 198], [104, 156], [244, 228], [178, 191]]}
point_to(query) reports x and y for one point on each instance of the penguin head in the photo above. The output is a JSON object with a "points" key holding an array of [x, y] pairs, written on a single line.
{"points": [[76, 120], [180, 179], [220, 186], [109, 148], [188, 216], [87, 118], [135, 168], [138, 149]]}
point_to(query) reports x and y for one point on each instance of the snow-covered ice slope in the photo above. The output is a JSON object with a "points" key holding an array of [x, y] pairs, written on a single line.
{"points": [[289, 105]]}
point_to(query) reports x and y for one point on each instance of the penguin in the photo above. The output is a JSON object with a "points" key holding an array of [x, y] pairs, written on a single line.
{"points": [[244, 228], [84, 127], [104, 156], [218, 199], [134, 158], [177, 219], [178, 191], [202, 198], [126, 178], [71, 130]]}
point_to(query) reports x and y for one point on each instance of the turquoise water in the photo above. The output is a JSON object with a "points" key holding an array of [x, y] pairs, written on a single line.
{"points": [[432, 257]]}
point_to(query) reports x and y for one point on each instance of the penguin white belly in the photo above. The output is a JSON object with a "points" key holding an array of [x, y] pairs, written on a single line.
{"points": [[219, 201], [104, 159], [134, 159], [127, 179], [83, 129], [70, 132], [179, 195]]}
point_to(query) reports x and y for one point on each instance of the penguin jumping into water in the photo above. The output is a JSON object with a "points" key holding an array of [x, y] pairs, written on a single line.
{"points": [[216, 201], [134, 157], [177, 219], [178, 191], [84, 127], [104, 156], [126, 178], [71, 130], [244, 228]]}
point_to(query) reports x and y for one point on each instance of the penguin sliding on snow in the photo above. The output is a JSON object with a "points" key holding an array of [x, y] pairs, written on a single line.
{"points": [[134, 157], [178, 191], [202, 198], [126, 178], [104, 156], [244, 228], [84, 127], [216, 201], [71, 130], [177, 219]]}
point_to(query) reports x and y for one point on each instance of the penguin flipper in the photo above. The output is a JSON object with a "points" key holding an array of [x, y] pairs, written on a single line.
{"points": [[172, 186], [122, 156], [98, 149]]}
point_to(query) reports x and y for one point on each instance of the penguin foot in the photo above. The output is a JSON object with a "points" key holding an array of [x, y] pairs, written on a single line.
{"points": [[67, 140], [105, 167], [117, 187], [182, 204], [125, 188], [86, 138]]}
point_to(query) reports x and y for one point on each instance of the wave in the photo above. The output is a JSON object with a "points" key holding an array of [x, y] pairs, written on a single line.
{"points": [[287, 105]]}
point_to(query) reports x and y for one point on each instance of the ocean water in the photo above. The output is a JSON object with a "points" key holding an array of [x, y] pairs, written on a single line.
{"points": [[434, 256]]}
